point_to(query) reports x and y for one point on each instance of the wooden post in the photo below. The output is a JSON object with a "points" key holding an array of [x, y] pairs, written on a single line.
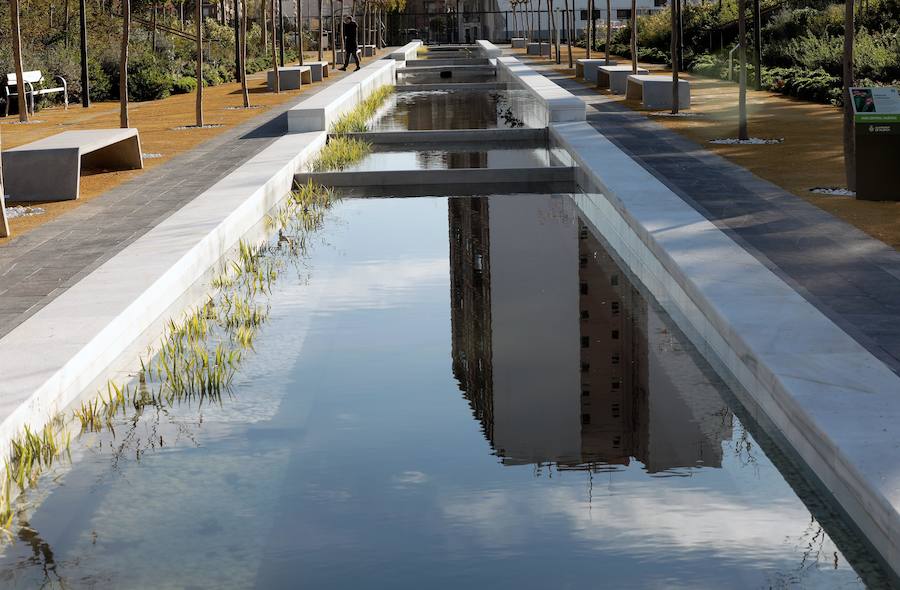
{"points": [[742, 75], [85, 81], [333, 37], [849, 123]]}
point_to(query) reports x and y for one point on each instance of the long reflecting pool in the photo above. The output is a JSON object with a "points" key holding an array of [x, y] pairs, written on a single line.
{"points": [[449, 393], [453, 109]]}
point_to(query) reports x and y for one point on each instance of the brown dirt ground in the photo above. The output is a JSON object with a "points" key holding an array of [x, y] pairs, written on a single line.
{"points": [[811, 155], [157, 122]]}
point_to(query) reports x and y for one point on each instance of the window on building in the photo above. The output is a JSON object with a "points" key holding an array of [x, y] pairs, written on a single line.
{"points": [[623, 14]]}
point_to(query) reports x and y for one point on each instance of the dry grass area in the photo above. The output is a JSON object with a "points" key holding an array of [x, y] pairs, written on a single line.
{"points": [[158, 121], [810, 156]]}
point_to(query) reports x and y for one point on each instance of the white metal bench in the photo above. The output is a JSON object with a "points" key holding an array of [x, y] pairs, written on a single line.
{"points": [[655, 92], [318, 69], [290, 77], [50, 169], [34, 86], [615, 77]]}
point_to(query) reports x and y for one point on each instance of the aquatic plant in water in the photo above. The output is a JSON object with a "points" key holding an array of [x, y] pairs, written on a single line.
{"points": [[197, 357], [357, 120], [340, 152]]}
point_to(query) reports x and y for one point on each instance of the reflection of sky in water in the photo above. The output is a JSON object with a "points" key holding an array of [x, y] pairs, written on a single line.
{"points": [[348, 457], [437, 159]]}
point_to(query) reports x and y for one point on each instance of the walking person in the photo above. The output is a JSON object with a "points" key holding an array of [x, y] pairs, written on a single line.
{"points": [[350, 47]]}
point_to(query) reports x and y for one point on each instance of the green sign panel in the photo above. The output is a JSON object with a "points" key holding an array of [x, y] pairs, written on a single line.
{"points": [[876, 105]]}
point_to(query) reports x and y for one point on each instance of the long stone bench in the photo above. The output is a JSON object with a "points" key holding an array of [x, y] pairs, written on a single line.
{"points": [[587, 68], [554, 104], [407, 52], [488, 49], [50, 169], [290, 77], [318, 112], [535, 48], [616, 77], [655, 91]]}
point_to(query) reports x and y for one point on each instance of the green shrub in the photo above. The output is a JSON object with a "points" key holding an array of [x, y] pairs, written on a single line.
{"points": [[184, 85], [100, 84], [148, 78], [815, 85], [709, 65]]}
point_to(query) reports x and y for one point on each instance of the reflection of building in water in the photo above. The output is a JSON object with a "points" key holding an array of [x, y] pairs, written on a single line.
{"points": [[613, 340], [559, 355]]}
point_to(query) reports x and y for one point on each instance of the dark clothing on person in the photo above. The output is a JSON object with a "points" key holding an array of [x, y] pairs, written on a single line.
{"points": [[350, 47]]}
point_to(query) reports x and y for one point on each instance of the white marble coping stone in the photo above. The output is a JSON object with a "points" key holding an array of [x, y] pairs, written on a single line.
{"points": [[835, 403], [488, 49], [49, 358], [319, 111], [560, 104], [407, 52]]}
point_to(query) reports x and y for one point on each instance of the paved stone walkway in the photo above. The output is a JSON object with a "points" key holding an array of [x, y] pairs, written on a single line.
{"points": [[41, 264], [851, 277]]}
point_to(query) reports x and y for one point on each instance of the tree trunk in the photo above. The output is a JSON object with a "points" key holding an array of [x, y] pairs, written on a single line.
{"points": [[321, 30], [198, 31], [245, 92], [567, 19], [554, 30], [333, 36], [85, 81], [757, 43], [17, 59], [849, 138], [264, 25], [4, 225], [274, 50], [66, 21], [634, 37], [238, 11], [153, 27], [589, 30], [300, 31], [742, 76], [673, 8], [123, 64], [608, 28]]}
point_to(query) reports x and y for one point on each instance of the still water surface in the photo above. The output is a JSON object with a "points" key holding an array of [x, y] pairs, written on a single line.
{"points": [[449, 393]]}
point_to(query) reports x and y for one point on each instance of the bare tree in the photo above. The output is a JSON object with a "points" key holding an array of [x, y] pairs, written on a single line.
{"points": [[242, 55], [742, 76], [608, 28], [321, 30], [849, 137], [17, 58], [589, 30], [673, 8], [333, 36], [634, 37], [4, 225], [123, 64], [274, 50], [198, 31], [300, 31], [568, 32]]}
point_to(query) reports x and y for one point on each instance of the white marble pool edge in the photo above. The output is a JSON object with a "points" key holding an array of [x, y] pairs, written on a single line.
{"points": [[48, 359], [833, 401]]}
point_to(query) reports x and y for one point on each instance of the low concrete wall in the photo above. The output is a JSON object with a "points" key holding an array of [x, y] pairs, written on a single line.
{"points": [[47, 360], [318, 112], [488, 49], [407, 52], [833, 401], [555, 105]]}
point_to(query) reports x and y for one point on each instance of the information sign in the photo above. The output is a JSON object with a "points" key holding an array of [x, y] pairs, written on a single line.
{"points": [[876, 105]]}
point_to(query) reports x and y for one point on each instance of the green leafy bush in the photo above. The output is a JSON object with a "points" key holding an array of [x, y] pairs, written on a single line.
{"points": [[816, 85], [148, 78], [184, 85]]}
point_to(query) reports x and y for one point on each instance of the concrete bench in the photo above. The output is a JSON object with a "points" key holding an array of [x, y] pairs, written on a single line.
{"points": [[519, 42], [289, 77], [487, 49], [615, 77], [367, 50], [34, 86], [655, 92], [538, 48], [587, 68], [318, 70], [50, 169]]}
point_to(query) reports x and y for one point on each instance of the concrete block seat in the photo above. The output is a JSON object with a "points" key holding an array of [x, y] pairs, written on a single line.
{"points": [[367, 50], [289, 77], [519, 42], [538, 48], [615, 77], [50, 169], [587, 68], [318, 69], [655, 91]]}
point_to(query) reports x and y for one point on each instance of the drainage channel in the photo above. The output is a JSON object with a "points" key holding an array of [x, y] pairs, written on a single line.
{"points": [[448, 390]]}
